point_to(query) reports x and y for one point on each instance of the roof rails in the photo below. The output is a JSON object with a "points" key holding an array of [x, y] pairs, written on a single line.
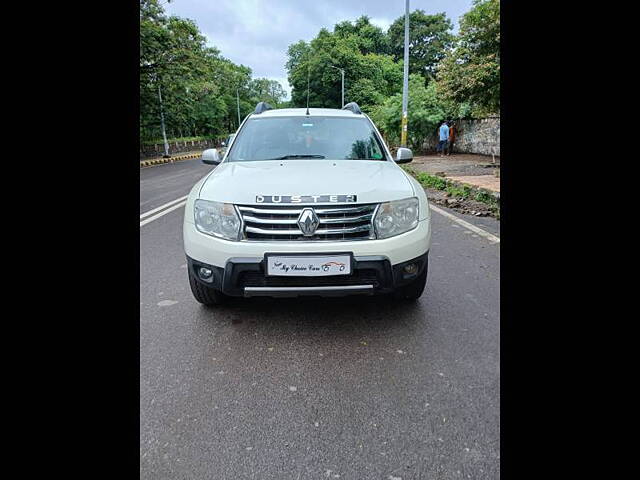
{"points": [[353, 106], [262, 107]]}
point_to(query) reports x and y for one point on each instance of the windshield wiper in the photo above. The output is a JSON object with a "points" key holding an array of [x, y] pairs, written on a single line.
{"points": [[284, 157]]}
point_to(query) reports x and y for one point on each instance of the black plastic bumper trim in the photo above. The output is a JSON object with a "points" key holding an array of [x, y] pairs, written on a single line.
{"points": [[389, 276]]}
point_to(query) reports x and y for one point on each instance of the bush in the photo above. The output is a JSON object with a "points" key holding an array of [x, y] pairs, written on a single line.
{"points": [[426, 112]]}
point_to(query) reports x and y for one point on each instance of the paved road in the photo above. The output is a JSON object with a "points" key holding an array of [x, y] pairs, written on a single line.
{"points": [[352, 388], [166, 182]]}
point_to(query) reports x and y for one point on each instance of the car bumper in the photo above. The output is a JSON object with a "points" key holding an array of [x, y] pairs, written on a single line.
{"points": [[246, 277], [239, 268]]}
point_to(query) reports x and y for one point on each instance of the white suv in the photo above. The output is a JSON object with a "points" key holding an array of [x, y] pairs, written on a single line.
{"points": [[306, 202]]}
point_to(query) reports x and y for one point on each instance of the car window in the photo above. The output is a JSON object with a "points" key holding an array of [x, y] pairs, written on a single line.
{"points": [[334, 138]]}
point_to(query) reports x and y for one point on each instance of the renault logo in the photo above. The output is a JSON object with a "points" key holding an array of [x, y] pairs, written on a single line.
{"points": [[308, 222]]}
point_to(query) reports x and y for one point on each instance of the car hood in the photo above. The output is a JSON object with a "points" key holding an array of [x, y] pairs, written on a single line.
{"points": [[372, 181]]}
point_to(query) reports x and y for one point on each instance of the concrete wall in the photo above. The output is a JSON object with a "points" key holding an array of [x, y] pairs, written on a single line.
{"points": [[157, 150], [481, 136]]}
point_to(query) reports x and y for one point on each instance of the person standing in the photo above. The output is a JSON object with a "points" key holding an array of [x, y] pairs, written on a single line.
{"points": [[444, 137], [452, 137]]}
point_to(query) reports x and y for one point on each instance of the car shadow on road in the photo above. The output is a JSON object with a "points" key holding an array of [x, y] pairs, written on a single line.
{"points": [[312, 314]]}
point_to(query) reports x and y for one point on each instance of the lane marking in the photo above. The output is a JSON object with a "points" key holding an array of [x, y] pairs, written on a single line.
{"points": [[164, 212], [489, 236], [168, 204]]}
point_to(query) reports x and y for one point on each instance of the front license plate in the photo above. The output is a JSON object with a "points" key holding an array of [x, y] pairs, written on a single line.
{"points": [[308, 266]]}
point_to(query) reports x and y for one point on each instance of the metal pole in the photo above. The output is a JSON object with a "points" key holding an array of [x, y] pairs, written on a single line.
{"points": [[342, 71], [405, 85], [238, 99], [164, 132]]}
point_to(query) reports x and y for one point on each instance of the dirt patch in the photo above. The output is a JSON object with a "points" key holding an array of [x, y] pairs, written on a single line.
{"points": [[456, 165], [467, 206], [488, 182]]}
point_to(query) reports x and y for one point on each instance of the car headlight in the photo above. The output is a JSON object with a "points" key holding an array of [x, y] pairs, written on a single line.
{"points": [[394, 218], [217, 219]]}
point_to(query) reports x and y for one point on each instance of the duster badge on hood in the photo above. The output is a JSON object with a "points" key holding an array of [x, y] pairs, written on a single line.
{"points": [[306, 198]]}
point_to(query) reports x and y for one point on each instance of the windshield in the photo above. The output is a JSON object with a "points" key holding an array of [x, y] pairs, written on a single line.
{"points": [[334, 138]]}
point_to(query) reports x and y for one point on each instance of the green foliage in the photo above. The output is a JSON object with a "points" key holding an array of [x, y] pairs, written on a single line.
{"points": [[266, 90], [429, 39], [372, 60], [368, 37], [197, 84], [431, 181], [185, 139], [470, 73], [370, 74], [455, 189], [426, 112], [462, 191], [200, 87]]}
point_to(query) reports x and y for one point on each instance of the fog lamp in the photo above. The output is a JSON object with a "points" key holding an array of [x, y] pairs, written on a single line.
{"points": [[411, 268], [205, 272]]}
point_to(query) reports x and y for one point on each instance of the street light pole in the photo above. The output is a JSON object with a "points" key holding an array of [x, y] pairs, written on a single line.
{"points": [[405, 85], [164, 132], [238, 100], [342, 73]]}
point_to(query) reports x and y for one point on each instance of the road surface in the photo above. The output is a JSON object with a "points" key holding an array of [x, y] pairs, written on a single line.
{"points": [[350, 388]]}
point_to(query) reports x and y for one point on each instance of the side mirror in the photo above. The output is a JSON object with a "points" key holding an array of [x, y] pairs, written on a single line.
{"points": [[404, 155], [224, 144], [211, 157]]}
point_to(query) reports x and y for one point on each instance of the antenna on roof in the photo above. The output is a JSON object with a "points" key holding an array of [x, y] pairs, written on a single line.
{"points": [[307, 89]]}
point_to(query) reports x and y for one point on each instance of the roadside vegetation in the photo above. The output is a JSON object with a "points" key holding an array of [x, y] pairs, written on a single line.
{"points": [[185, 139], [457, 190], [197, 84], [451, 76]]}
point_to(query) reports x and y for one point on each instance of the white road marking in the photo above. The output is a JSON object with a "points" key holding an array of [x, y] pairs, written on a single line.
{"points": [[489, 236], [164, 212], [168, 204]]}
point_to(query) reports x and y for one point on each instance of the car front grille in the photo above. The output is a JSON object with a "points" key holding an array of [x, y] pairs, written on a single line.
{"points": [[279, 222]]}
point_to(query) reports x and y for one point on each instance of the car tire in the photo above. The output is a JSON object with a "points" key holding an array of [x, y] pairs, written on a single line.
{"points": [[413, 290], [206, 295]]}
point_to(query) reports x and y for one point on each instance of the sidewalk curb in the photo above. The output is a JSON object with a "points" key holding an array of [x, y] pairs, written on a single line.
{"points": [[159, 161]]}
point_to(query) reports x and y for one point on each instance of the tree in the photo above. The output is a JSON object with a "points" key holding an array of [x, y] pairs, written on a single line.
{"points": [[370, 38], [429, 39], [369, 77], [267, 90], [470, 73], [198, 85], [171, 52], [426, 112]]}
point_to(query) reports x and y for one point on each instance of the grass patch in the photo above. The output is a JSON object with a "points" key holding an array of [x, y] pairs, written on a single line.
{"points": [[456, 189]]}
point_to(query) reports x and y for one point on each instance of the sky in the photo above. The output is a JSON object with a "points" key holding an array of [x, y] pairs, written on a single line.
{"points": [[257, 33]]}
